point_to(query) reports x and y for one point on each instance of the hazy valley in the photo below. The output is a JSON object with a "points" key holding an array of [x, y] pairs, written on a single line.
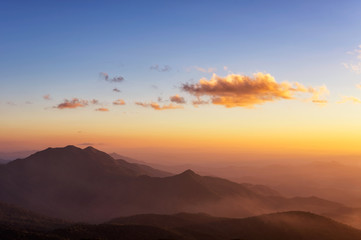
{"points": [[75, 187]]}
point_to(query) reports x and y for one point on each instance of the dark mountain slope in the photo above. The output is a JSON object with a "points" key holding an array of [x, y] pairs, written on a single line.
{"points": [[19, 218], [142, 169], [287, 225], [185, 226]]}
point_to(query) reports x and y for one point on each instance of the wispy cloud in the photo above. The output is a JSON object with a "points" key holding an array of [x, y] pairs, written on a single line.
{"points": [[89, 144], [116, 90], [102, 109], [204, 70], [199, 101], [94, 101], [351, 99], [115, 79], [47, 97], [165, 68], [73, 103], [156, 106], [119, 102], [177, 99], [244, 91], [354, 65]]}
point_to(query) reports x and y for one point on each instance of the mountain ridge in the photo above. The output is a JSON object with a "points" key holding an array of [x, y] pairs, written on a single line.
{"points": [[89, 185]]}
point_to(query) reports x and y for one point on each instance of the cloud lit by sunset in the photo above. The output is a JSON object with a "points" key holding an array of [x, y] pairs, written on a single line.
{"points": [[177, 76]]}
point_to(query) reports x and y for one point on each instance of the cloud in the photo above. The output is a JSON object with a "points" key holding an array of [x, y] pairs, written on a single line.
{"points": [[89, 144], [94, 101], [74, 103], [199, 101], [165, 68], [351, 99], [204, 70], [356, 52], [86, 144], [244, 91], [47, 97], [116, 90], [11, 103], [102, 109], [119, 102], [358, 86], [28, 102], [354, 65], [177, 99], [115, 79], [156, 106], [318, 94]]}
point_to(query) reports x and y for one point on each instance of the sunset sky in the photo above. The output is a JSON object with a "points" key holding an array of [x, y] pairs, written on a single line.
{"points": [[251, 78]]}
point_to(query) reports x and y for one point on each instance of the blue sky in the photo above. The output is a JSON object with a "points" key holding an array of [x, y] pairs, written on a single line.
{"points": [[43, 42], [61, 48]]}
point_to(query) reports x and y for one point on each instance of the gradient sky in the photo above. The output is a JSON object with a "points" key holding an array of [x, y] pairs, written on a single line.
{"points": [[54, 51]]}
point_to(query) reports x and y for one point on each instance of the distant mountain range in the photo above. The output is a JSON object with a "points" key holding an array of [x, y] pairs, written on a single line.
{"points": [[91, 186], [18, 224]]}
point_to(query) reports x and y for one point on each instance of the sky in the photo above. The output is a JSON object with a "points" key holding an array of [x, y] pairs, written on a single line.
{"points": [[251, 79]]}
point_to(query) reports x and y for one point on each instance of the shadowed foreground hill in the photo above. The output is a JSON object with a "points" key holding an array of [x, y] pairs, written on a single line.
{"points": [[15, 217], [280, 226], [277, 226]]}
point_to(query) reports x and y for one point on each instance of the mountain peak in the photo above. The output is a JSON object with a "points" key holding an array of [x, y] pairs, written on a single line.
{"points": [[70, 147], [189, 172], [90, 149]]}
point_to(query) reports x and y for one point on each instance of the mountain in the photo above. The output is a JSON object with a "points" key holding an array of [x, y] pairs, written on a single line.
{"points": [[142, 169], [15, 217], [140, 166], [89, 185], [280, 226], [186, 226], [2, 161], [286, 225]]}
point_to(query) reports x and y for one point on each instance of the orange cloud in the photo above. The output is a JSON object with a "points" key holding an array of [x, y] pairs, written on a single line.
{"points": [[177, 99], [352, 99], [119, 102], [204, 70], [47, 97], [74, 103], [94, 101], [156, 106], [244, 91], [102, 109], [199, 102]]}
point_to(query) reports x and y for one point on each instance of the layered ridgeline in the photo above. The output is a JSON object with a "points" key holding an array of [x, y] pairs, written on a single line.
{"points": [[89, 185], [185, 226]]}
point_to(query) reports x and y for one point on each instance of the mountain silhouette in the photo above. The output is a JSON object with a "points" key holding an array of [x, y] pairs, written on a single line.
{"points": [[89, 185], [286, 225], [293, 225], [19, 218]]}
